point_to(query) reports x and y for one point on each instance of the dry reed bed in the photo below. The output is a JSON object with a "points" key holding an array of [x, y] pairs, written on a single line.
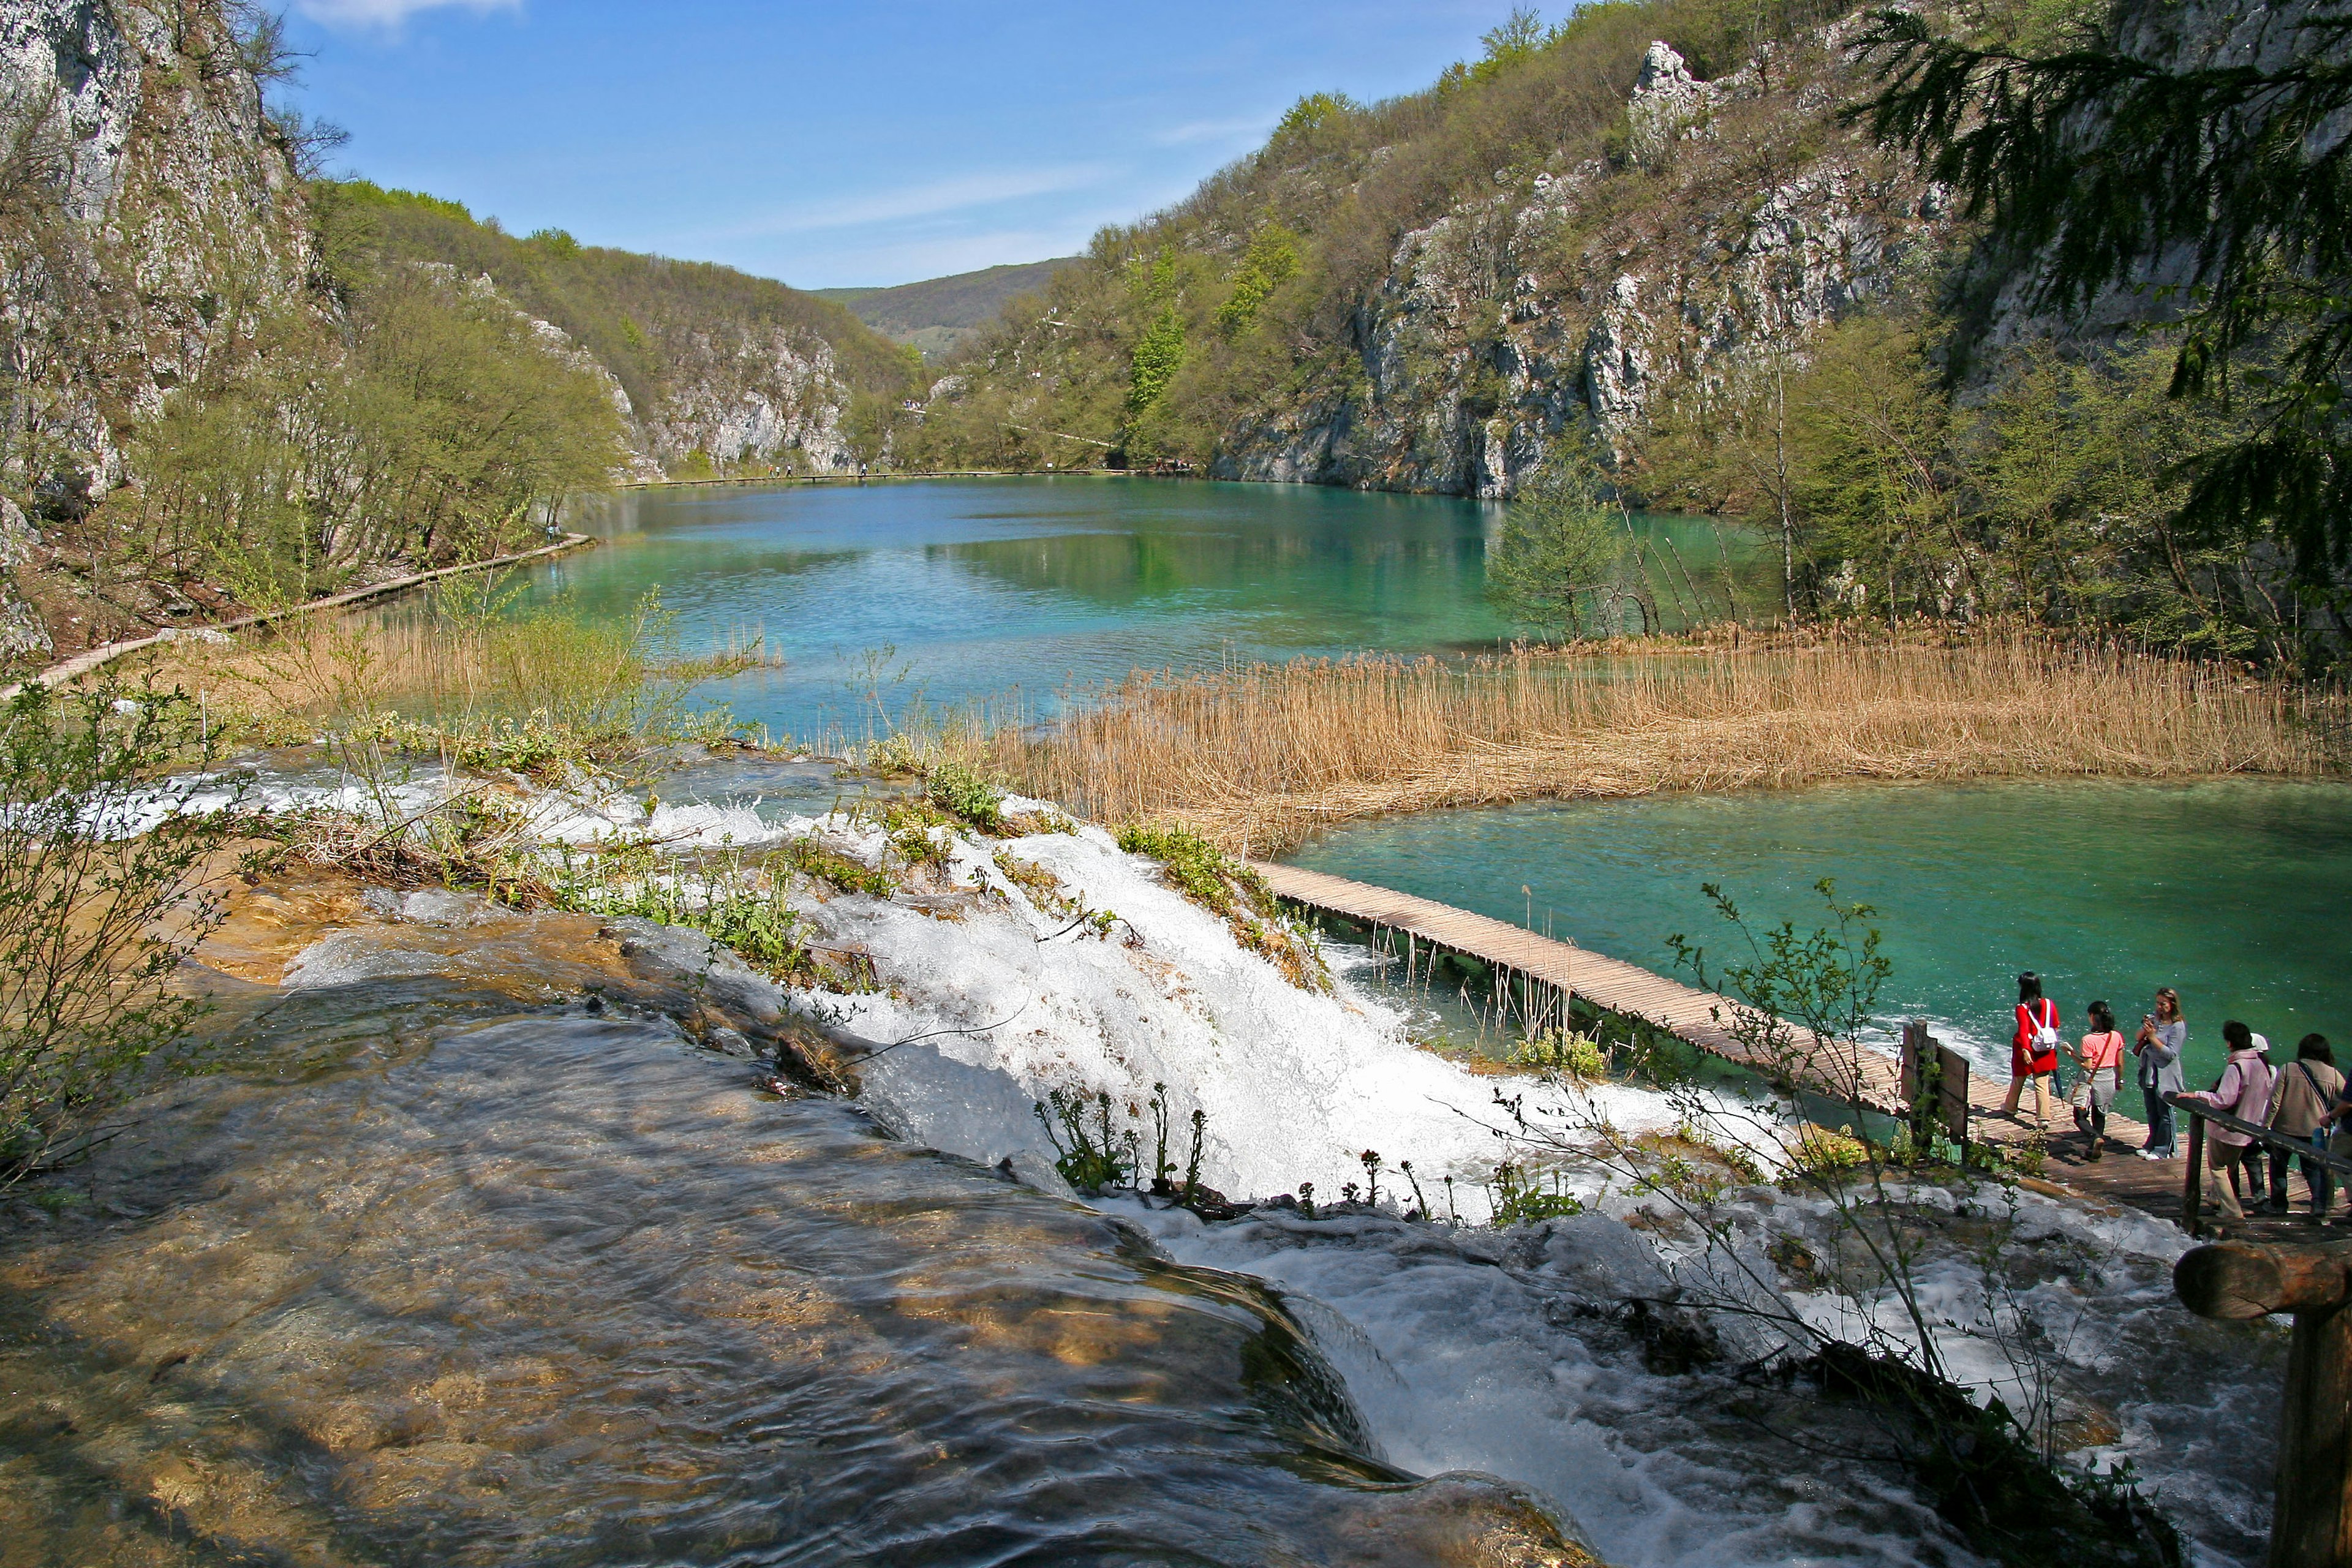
{"points": [[1258, 758]]}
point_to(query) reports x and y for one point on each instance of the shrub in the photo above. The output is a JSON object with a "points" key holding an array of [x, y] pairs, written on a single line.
{"points": [[1557, 1054], [103, 880], [1825, 1155], [960, 790], [1524, 1197]]}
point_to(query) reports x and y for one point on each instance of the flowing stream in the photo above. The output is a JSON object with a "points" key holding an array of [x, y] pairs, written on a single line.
{"points": [[485, 1242], [440, 1272]]}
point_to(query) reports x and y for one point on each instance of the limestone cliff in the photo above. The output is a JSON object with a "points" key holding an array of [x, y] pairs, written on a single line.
{"points": [[1675, 232], [148, 217]]}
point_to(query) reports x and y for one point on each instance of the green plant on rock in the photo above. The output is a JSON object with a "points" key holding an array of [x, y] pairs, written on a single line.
{"points": [[1522, 1196], [1562, 1054], [1089, 1153], [1234, 892], [963, 792]]}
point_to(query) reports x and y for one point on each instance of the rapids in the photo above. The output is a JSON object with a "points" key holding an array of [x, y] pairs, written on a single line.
{"points": [[487, 1244]]}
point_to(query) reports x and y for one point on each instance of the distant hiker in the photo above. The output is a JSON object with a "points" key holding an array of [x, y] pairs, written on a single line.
{"points": [[2033, 1049], [2307, 1090], [2100, 1058], [2163, 1035], [2243, 1092]]}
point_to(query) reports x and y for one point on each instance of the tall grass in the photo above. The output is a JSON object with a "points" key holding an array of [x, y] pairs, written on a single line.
{"points": [[468, 677], [1257, 758]]}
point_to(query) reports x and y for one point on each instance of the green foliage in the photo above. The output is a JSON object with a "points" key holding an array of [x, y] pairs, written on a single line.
{"points": [[1562, 1055], [94, 920], [443, 430], [960, 790], [836, 870], [1523, 1195], [1823, 1155], [1562, 544], [1090, 1155], [734, 899], [1271, 261], [1158, 355], [1313, 112], [2093, 162]]}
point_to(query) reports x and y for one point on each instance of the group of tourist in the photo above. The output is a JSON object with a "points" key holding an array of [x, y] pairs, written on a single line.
{"points": [[2307, 1101]]}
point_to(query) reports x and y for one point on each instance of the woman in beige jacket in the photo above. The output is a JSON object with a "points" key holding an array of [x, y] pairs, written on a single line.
{"points": [[2302, 1100]]}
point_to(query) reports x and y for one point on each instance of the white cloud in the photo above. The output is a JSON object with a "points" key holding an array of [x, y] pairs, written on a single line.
{"points": [[388, 13], [1249, 128], [933, 199]]}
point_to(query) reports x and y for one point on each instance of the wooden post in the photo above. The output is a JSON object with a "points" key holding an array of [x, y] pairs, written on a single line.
{"points": [[2312, 1524], [1953, 1068], [2193, 1198], [1934, 1084]]}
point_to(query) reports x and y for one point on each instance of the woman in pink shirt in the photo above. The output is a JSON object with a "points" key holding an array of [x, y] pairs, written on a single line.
{"points": [[2101, 1058], [2245, 1092]]}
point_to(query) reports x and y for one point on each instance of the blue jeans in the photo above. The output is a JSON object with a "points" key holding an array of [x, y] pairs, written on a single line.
{"points": [[2161, 1136]]}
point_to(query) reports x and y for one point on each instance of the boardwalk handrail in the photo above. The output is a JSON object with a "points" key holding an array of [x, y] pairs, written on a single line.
{"points": [[2192, 1195]]}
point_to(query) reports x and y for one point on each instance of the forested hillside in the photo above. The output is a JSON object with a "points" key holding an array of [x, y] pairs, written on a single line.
{"points": [[721, 370], [939, 314], [1427, 293], [231, 383], [1660, 254]]}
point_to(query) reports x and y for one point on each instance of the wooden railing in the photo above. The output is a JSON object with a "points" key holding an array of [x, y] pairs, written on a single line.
{"points": [[2311, 1526], [2193, 1196]]}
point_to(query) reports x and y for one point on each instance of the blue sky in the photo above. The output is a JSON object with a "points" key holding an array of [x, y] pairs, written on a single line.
{"points": [[838, 143]]}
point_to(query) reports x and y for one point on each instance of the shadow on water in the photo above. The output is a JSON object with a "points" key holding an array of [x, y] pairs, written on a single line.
{"points": [[421, 1281]]}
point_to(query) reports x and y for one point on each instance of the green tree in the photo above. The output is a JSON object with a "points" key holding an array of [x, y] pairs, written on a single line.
{"points": [[1877, 479], [1562, 545], [2092, 163], [1271, 261]]}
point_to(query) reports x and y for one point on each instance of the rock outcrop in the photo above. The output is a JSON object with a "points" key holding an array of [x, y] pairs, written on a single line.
{"points": [[1736, 219], [149, 215], [744, 393]]}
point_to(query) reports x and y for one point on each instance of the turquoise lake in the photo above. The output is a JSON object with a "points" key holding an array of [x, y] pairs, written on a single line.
{"points": [[2237, 892], [954, 592], [959, 592]]}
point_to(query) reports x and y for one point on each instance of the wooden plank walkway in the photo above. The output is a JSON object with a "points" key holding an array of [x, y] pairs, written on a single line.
{"points": [[1533, 965], [1543, 972]]}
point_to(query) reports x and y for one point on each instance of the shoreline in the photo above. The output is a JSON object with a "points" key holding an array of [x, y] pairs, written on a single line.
{"points": [[97, 658]]}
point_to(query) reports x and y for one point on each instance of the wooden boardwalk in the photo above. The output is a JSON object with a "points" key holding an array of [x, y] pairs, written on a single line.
{"points": [[1536, 976]]}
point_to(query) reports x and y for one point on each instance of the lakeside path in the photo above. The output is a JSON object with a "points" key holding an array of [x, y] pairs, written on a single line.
{"points": [[1536, 965], [89, 659]]}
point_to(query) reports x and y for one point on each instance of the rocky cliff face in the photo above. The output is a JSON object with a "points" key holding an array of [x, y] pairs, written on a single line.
{"points": [[1736, 218], [152, 215], [148, 217], [749, 393]]}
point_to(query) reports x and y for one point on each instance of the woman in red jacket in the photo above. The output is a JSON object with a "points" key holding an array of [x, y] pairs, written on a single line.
{"points": [[2033, 1049]]}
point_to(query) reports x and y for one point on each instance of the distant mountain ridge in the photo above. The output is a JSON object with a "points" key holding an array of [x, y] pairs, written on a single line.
{"points": [[938, 315]]}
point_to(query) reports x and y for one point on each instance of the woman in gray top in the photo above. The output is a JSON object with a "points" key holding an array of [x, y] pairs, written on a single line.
{"points": [[2163, 1035]]}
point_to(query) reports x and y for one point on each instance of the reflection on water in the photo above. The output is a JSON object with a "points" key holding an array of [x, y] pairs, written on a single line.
{"points": [[2233, 892], [430, 1281], [981, 588]]}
